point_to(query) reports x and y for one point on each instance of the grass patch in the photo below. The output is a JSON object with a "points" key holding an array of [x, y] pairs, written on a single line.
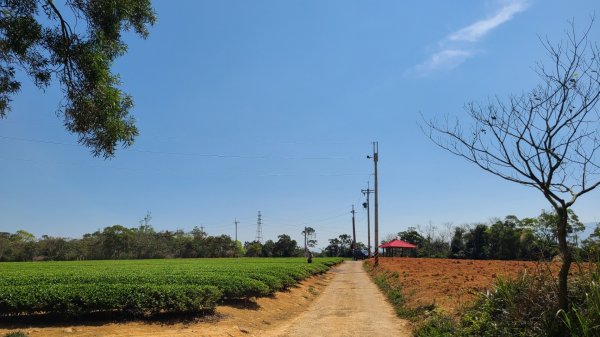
{"points": [[389, 284], [437, 325]]}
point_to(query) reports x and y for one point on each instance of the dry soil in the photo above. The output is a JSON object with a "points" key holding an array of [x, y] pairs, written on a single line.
{"points": [[453, 284]]}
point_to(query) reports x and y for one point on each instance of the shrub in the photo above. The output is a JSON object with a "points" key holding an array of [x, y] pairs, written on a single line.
{"points": [[16, 334], [524, 306], [584, 317], [437, 325]]}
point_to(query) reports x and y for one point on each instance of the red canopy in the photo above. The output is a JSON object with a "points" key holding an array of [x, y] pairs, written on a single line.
{"points": [[398, 244]]}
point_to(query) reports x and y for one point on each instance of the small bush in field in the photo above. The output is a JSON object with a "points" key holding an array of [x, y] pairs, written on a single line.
{"points": [[16, 334]]}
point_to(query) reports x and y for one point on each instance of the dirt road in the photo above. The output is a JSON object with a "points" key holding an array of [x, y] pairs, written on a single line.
{"points": [[350, 306]]}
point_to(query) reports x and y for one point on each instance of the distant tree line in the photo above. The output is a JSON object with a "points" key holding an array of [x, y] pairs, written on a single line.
{"points": [[283, 247], [341, 246], [510, 238], [118, 242], [143, 242]]}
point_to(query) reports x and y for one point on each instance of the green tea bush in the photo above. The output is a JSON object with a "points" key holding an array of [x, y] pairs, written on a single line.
{"points": [[141, 287], [74, 300]]}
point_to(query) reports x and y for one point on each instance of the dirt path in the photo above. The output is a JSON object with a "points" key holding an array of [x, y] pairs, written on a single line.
{"points": [[350, 306]]}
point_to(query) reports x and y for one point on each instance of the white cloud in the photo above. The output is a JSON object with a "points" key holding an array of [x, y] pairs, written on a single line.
{"points": [[457, 47], [445, 59], [477, 30]]}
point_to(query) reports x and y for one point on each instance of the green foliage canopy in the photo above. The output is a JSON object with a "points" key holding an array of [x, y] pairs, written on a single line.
{"points": [[37, 38]]}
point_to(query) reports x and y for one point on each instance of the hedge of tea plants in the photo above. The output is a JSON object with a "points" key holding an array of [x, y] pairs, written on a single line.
{"points": [[142, 287]]}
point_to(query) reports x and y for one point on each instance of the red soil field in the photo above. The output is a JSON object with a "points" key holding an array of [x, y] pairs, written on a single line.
{"points": [[451, 284]]}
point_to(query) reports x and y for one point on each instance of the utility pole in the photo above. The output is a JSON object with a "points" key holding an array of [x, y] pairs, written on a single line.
{"points": [[375, 158], [259, 236], [353, 231], [367, 205], [236, 223]]}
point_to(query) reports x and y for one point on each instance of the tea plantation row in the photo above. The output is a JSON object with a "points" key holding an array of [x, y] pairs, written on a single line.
{"points": [[145, 286]]}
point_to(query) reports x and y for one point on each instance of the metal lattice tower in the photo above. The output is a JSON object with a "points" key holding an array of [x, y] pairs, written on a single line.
{"points": [[259, 236]]}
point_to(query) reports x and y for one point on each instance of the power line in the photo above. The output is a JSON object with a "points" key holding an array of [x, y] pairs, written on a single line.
{"points": [[188, 154], [171, 171], [38, 141]]}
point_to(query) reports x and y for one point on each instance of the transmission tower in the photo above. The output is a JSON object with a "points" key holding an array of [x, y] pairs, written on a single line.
{"points": [[236, 223], [259, 235]]}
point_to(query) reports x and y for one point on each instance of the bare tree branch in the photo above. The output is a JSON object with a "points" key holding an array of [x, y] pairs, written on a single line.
{"points": [[547, 139]]}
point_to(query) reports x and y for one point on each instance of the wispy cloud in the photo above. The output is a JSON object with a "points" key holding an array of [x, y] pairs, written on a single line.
{"points": [[445, 59], [457, 47], [475, 31]]}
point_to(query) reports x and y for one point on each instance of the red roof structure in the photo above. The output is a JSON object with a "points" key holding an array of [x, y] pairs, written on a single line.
{"points": [[390, 247], [398, 244]]}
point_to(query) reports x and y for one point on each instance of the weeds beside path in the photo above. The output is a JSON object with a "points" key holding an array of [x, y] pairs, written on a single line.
{"points": [[521, 305]]}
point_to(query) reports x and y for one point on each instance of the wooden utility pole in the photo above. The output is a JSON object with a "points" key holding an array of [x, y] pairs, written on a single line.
{"points": [[353, 231], [375, 159], [367, 205], [236, 223]]}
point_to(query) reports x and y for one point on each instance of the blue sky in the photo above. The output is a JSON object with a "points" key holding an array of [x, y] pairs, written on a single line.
{"points": [[272, 106]]}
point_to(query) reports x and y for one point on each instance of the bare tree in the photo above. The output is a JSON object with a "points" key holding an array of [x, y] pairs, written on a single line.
{"points": [[387, 238], [446, 235], [310, 237], [547, 138]]}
